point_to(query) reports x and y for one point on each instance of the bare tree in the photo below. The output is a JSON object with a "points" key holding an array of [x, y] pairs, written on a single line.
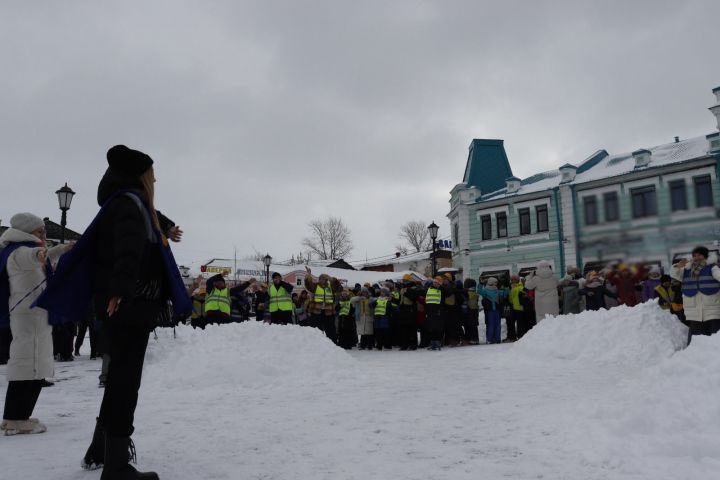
{"points": [[329, 239], [416, 234]]}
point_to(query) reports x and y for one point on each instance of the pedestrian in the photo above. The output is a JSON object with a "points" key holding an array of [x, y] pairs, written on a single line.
{"points": [[382, 307], [87, 325], [472, 312], [407, 313], [570, 297], [132, 255], [25, 264], [664, 294], [451, 310], [323, 307], [651, 283], [364, 318], [281, 305], [299, 308], [627, 281], [347, 332], [217, 301], [435, 322], [596, 292], [262, 298], [197, 318], [516, 321], [545, 285], [492, 302], [700, 292]]}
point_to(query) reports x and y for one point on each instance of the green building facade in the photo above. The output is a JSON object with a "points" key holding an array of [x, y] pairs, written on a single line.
{"points": [[651, 205]]}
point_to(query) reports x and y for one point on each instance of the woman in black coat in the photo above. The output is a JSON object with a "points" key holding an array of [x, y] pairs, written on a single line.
{"points": [[130, 297]]}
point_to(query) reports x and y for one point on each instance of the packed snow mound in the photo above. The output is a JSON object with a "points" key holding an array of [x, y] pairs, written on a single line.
{"points": [[666, 418], [246, 355], [642, 335]]}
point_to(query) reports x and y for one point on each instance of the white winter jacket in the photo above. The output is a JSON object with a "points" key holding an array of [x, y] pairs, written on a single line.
{"points": [[364, 318], [546, 294], [31, 350], [701, 307]]}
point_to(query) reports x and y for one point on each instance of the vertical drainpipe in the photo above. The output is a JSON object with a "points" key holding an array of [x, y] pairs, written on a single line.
{"points": [[573, 197], [561, 236]]}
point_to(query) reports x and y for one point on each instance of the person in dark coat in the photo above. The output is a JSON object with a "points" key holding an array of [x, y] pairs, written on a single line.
{"points": [[407, 314], [452, 301], [595, 292], [471, 312], [130, 295], [434, 313]]}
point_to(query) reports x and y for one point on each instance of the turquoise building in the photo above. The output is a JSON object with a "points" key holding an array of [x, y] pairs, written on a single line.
{"points": [[651, 205]]}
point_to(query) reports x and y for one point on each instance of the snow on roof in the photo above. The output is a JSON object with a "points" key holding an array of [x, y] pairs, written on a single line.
{"points": [[599, 166], [412, 257], [248, 269]]}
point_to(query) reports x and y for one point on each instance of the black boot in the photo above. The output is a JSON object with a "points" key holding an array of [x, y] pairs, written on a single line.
{"points": [[117, 462], [95, 455]]}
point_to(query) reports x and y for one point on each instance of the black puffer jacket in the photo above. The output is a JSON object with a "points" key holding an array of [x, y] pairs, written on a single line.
{"points": [[128, 264]]}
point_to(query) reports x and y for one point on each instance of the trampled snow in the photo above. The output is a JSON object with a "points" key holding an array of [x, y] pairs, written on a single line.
{"points": [[600, 395]]}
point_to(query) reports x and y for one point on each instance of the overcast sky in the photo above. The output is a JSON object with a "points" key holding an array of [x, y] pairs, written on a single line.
{"points": [[263, 115]]}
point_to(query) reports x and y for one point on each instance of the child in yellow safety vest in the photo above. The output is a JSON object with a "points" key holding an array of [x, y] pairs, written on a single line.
{"points": [[347, 331], [381, 327]]}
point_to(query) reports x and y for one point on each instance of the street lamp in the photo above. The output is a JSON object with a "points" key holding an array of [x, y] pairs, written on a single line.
{"points": [[433, 229], [267, 261], [65, 196]]}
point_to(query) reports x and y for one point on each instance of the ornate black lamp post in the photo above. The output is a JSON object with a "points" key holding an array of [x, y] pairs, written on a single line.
{"points": [[433, 229], [65, 196], [267, 260]]}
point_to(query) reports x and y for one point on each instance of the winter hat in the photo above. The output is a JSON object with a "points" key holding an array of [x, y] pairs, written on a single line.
{"points": [[365, 290], [407, 277], [492, 281], [665, 279], [26, 222], [655, 272], [129, 161], [276, 274], [515, 278], [385, 291]]}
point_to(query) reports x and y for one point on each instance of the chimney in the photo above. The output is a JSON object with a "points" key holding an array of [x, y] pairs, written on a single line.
{"points": [[512, 184], [568, 173], [677, 139], [397, 254], [642, 157]]}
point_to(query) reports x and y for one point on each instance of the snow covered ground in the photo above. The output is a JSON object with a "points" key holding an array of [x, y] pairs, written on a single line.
{"points": [[607, 395]]}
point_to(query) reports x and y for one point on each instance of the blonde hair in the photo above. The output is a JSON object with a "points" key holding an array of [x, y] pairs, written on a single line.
{"points": [[147, 180]]}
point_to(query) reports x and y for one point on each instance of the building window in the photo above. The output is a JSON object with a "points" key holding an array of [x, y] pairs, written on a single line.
{"points": [[299, 281], [501, 219], [524, 214], [678, 195], [703, 191], [612, 210], [486, 227], [590, 209], [456, 235], [541, 215], [644, 203]]}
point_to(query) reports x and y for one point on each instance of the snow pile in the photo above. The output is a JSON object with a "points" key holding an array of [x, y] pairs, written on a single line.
{"points": [[666, 422], [246, 355], [640, 335]]}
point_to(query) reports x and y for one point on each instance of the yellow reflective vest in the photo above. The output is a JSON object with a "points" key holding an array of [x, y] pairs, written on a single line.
{"points": [[324, 295], [381, 306], [280, 299], [433, 296], [344, 307], [218, 300]]}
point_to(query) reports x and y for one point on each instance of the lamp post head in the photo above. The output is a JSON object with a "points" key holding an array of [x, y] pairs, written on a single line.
{"points": [[65, 196], [433, 230], [267, 260]]}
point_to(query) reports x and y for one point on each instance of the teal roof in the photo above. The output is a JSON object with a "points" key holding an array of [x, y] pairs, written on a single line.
{"points": [[487, 165]]}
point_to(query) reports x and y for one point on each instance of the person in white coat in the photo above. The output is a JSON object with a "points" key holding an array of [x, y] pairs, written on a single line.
{"points": [[31, 350], [545, 284], [700, 292]]}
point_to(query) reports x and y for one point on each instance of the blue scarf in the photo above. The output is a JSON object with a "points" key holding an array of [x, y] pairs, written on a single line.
{"points": [[70, 290]]}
